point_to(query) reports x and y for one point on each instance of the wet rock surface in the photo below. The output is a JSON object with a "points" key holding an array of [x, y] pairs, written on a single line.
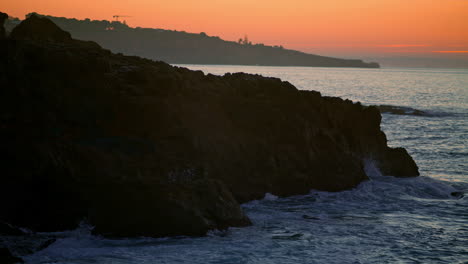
{"points": [[7, 258], [9, 230], [142, 148]]}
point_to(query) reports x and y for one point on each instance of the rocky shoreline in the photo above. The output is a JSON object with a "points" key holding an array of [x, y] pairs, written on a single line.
{"points": [[142, 148]]}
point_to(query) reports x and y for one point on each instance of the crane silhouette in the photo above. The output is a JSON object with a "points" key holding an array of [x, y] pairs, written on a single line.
{"points": [[116, 17]]}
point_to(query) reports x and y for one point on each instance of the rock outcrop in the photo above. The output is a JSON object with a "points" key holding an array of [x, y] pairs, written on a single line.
{"points": [[3, 17], [8, 230], [142, 148], [7, 258], [40, 29]]}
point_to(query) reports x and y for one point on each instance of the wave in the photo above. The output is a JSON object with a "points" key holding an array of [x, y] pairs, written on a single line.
{"points": [[379, 193], [416, 187], [404, 110], [382, 208]]}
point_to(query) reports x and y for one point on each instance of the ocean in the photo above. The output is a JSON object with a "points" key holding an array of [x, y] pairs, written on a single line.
{"points": [[383, 220]]}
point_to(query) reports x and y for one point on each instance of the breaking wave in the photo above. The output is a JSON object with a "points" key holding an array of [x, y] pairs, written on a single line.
{"points": [[404, 110]]}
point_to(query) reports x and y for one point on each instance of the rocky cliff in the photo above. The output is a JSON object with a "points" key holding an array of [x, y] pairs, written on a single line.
{"points": [[3, 18], [139, 147]]}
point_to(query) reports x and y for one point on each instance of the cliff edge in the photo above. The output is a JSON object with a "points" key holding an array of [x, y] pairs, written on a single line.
{"points": [[141, 148]]}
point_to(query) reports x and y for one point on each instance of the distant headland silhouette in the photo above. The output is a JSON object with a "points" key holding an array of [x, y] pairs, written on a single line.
{"points": [[179, 47]]}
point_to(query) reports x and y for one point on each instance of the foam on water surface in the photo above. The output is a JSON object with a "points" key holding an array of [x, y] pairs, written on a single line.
{"points": [[376, 222]]}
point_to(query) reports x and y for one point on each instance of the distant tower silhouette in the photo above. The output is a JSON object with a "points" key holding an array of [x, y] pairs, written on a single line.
{"points": [[116, 17]]}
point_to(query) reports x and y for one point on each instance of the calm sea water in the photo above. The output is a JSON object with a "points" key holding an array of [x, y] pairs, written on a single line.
{"points": [[384, 220]]}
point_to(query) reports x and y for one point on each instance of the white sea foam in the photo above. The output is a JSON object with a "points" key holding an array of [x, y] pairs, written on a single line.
{"points": [[371, 169], [270, 197]]}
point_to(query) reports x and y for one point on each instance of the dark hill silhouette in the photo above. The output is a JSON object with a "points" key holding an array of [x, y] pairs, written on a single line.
{"points": [[179, 47]]}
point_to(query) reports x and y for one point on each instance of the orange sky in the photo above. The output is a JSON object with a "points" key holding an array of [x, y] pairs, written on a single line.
{"points": [[327, 27]]}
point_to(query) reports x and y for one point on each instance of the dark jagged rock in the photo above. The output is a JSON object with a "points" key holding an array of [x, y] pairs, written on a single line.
{"points": [[7, 258], [3, 17], [458, 194], [46, 244], [9, 230], [173, 209], [397, 162], [142, 148], [39, 29]]}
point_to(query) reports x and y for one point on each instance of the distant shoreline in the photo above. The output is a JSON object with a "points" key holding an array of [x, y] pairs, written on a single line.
{"points": [[347, 68], [179, 47]]}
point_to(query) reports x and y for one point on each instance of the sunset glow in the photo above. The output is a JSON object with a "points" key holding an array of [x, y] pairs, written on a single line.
{"points": [[451, 51], [328, 27]]}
